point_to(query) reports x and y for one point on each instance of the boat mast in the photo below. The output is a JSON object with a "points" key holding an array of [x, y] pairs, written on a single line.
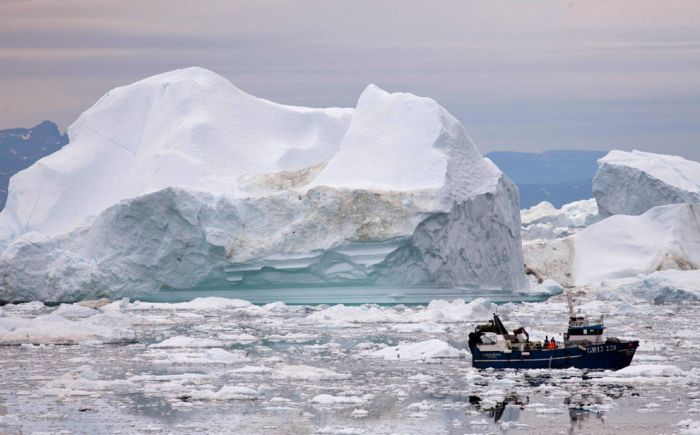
{"points": [[572, 314]]}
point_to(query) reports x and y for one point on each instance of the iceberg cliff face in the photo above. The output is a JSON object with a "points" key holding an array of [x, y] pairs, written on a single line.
{"points": [[182, 181], [633, 182]]}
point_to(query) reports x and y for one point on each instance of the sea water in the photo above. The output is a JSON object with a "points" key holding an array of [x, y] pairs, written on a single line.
{"points": [[291, 369]]}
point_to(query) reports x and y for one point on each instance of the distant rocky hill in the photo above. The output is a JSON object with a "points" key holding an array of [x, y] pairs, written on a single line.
{"points": [[20, 147], [557, 176]]}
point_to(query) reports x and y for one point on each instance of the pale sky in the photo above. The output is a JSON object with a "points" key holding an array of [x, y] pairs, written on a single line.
{"points": [[523, 75]]}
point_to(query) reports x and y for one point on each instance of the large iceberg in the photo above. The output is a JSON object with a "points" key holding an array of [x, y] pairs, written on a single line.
{"points": [[182, 181], [663, 238], [633, 182]]}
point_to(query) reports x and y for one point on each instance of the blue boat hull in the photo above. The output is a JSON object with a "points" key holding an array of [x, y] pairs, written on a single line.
{"points": [[607, 356]]}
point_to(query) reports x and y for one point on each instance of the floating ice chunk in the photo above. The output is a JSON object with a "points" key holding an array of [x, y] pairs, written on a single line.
{"points": [[421, 378], [180, 377], [427, 327], [210, 356], [456, 311], [227, 392], [298, 337], [649, 370], [30, 306], [548, 287], [646, 374], [331, 430], [242, 338], [689, 427], [9, 420], [182, 341], [197, 304], [359, 413], [220, 355], [481, 422], [55, 329], [327, 399], [436, 311], [280, 400], [424, 350], [275, 307], [649, 407], [72, 311], [548, 411], [421, 406], [340, 314], [83, 381], [304, 372]]}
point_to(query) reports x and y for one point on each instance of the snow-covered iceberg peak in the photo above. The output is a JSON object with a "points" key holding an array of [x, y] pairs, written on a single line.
{"points": [[183, 181], [633, 182], [187, 128], [399, 142]]}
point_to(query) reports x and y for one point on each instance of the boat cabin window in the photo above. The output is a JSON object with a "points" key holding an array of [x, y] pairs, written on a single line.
{"points": [[578, 331]]}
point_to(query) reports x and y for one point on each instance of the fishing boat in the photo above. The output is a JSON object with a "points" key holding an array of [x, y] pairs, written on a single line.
{"points": [[584, 346]]}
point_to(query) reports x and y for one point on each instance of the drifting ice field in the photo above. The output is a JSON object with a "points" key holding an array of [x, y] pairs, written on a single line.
{"points": [[227, 366]]}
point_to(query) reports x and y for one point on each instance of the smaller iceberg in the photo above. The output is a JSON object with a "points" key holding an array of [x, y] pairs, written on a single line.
{"points": [[633, 182]]}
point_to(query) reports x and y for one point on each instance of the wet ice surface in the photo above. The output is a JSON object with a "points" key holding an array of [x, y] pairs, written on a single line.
{"points": [[217, 366]]}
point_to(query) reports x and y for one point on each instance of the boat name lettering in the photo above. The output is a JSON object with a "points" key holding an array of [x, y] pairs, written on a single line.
{"points": [[603, 348]]}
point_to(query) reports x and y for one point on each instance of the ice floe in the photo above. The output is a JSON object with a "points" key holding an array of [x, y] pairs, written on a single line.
{"points": [[436, 311], [53, 328], [182, 341], [424, 350], [209, 356], [304, 372]]}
